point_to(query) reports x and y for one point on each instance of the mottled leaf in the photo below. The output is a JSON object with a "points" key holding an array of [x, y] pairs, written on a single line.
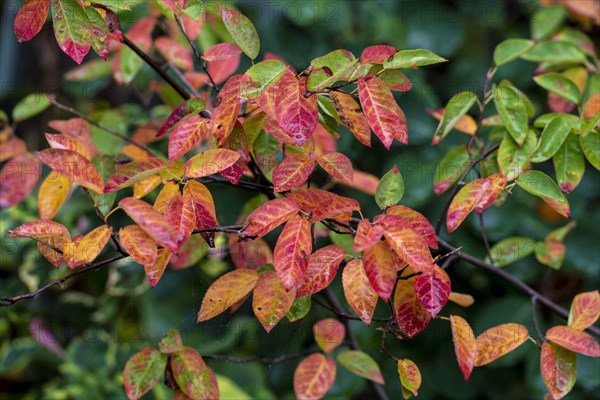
{"points": [[72, 28], [242, 31], [191, 373], [143, 371], [559, 85], [270, 301], [433, 290], [558, 366], [210, 162], [410, 376], [296, 114], [187, 134], [351, 115], [181, 215], [293, 171], [313, 377], [30, 19], [140, 246], [338, 166], [329, 334]]}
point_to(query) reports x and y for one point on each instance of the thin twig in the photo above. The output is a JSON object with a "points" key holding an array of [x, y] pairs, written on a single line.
{"points": [[262, 360], [484, 236], [40, 241], [243, 184], [344, 315]]}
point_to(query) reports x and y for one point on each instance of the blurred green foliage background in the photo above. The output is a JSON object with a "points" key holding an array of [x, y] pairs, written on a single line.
{"points": [[73, 344]]}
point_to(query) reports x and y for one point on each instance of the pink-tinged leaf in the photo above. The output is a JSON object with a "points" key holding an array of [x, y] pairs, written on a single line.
{"points": [[409, 245], [351, 115], [220, 70], [155, 271], [100, 33], [221, 52], [186, 109], [226, 291], [396, 80], [296, 114], [140, 246], [237, 141], [18, 177], [270, 300], [293, 171], [360, 364], [68, 142], [433, 290], [12, 148], [180, 214], [72, 28], [322, 267], [210, 162], [559, 369], [251, 255], [172, 51], [133, 172], [411, 316], [498, 341], [269, 216], [379, 265], [54, 190], [142, 371], [204, 208], [228, 107], [497, 182], [74, 166], [367, 235], [329, 334], [77, 127], [188, 134], [410, 376], [417, 222], [358, 291], [151, 221], [377, 54], [313, 377], [575, 340], [465, 346], [383, 113], [171, 342], [338, 166], [585, 310], [292, 251], [191, 374], [323, 204], [30, 19], [84, 250], [242, 31], [49, 232]]}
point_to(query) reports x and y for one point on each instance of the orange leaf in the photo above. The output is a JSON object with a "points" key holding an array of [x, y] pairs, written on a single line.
{"points": [[202, 200], [410, 376], [188, 134], [155, 271], [180, 214], [329, 334], [498, 341], [12, 148], [417, 222], [52, 195], [465, 345], [322, 267], [383, 113], [140, 246], [210, 162], [67, 142], [411, 316], [296, 114], [464, 300], [351, 115], [145, 186], [229, 105], [433, 290], [324, 205], [84, 250], [269, 216], [49, 232], [465, 124], [558, 367], [270, 301], [133, 172], [379, 265], [575, 340], [367, 235], [169, 190], [30, 19], [313, 377], [18, 178], [293, 171], [74, 166], [292, 251], [585, 310], [410, 246], [338, 166], [226, 291], [358, 291], [151, 221]]}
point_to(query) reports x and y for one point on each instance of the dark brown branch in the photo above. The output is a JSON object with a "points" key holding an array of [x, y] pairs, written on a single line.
{"points": [[40, 241], [243, 184], [484, 236], [344, 315], [536, 324], [262, 360]]}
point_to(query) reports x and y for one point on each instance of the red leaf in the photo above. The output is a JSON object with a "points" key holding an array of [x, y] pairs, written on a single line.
{"points": [[411, 316], [49, 232], [417, 223], [379, 265], [133, 172], [270, 300], [140, 246], [292, 251], [324, 205], [410, 246], [269, 216], [322, 267], [558, 367], [498, 341], [385, 116], [329, 334], [367, 235], [221, 52], [352, 116], [585, 310], [204, 205], [188, 134], [377, 54], [210, 162], [179, 113], [573, 339], [338, 166], [293, 171], [17, 179], [358, 291], [226, 291], [433, 290], [313, 377], [181, 215], [74, 166], [172, 51], [237, 141], [30, 19], [296, 114], [465, 346], [229, 102], [151, 221]]}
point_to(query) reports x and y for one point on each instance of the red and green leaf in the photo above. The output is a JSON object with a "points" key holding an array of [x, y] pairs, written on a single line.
{"points": [[191, 373], [559, 369], [410, 376], [242, 31], [72, 28], [143, 371]]}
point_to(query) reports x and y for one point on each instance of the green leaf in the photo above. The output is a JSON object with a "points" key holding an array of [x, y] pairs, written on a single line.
{"points": [[553, 136], [191, 373], [104, 141], [299, 309], [545, 119], [555, 52], [30, 106], [513, 112], [588, 125], [546, 20], [559, 85], [511, 250], [360, 364], [330, 68], [514, 160], [171, 343], [519, 94], [390, 189], [569, 164], [590, 143], [263, 75], [143, 371], [242, 31], [130, 64], [106, 167], [89, 71], [450, 169], [456, 108], [413, 58], [550, 253], [541, 185], [510, 49], [193, 9], [72, 28]]}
